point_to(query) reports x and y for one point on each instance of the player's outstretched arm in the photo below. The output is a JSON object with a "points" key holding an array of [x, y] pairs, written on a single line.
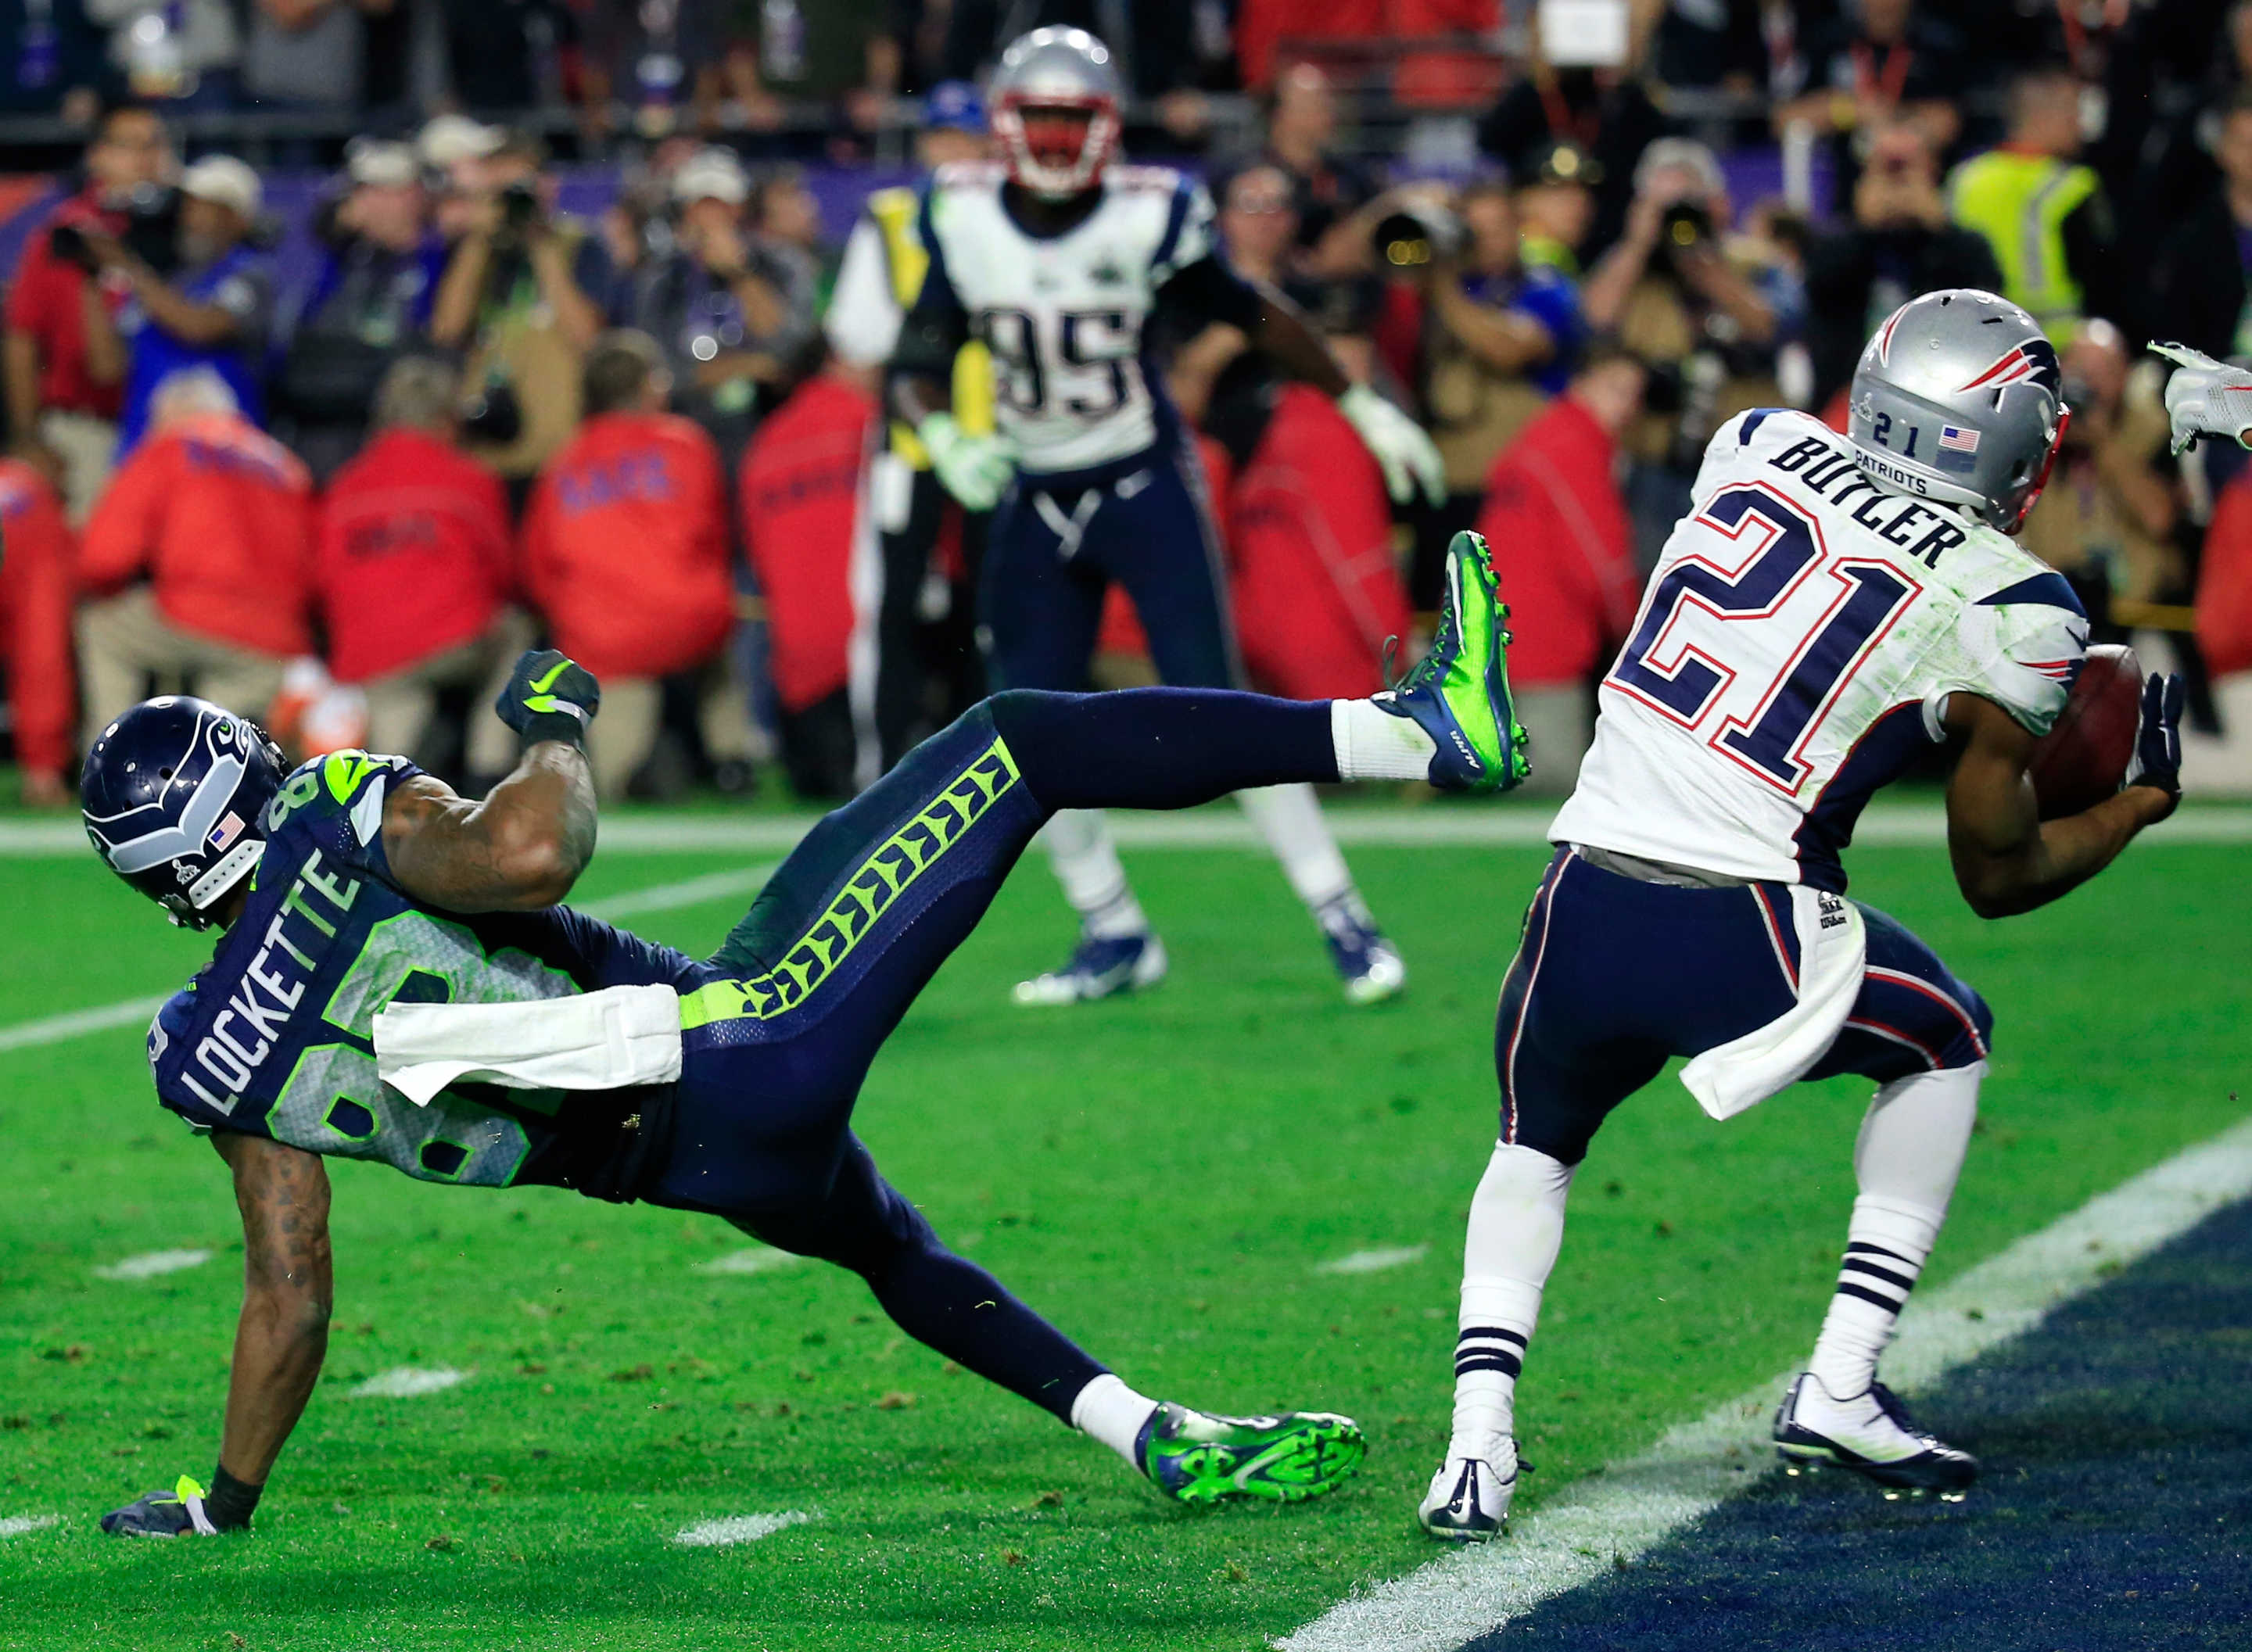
{"points": [[2006, 859], [525, 844], [288, 1290]]}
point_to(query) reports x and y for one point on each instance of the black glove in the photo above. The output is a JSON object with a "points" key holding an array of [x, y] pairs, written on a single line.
{"points": [[549, 696], [176, 1513], [2158, 742]]}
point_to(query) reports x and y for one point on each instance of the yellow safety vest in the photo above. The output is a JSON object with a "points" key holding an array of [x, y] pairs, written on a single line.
{"points": [[2020, 202], [906, 257]]}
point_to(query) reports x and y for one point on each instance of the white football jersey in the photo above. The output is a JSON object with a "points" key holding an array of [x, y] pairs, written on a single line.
{"points": [[1063, 314], [1793, 652]]}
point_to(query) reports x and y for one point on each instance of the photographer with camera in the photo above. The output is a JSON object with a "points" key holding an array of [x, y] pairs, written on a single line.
{"points": [[62, 414], [733, 310], [1668, 274], [525, 291], [369, 304], [214, 310], [1901, 243], [1499, 338]]}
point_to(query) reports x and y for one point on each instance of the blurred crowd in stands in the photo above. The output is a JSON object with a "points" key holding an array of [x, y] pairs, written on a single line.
{"points": [[649, 434]]}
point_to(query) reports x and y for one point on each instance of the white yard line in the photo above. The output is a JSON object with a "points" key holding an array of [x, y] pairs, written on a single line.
{"points": [[18, 1525], [715, 1534], [688, 892], [150, 1265], [408, 1382], [1617, 1514], [1375, 1261]]}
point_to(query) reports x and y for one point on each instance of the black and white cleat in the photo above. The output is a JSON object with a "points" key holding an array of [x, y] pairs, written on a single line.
{"points": [[1872, 1434], [1468, 1499]]}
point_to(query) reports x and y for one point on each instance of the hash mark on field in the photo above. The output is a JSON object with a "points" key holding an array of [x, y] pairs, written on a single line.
{"points": [[716, 1534], [153, 1263], [761, 1260], [408, 1382], [1375, 1261], [17, 1525]]}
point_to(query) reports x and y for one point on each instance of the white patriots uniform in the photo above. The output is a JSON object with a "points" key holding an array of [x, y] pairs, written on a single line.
{"points": [[1795, 647], [1064, 314]]}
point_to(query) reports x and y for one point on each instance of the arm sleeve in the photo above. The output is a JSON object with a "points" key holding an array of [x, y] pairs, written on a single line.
{"points": [[122, 533], [938, 325], [864, 319]]}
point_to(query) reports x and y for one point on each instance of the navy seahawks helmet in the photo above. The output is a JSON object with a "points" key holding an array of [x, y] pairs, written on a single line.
{"points": [[174, 795]]}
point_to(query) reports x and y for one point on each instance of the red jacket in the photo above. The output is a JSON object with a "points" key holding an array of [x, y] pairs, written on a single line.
{"points": [[1316, 591], [801, 491], [1561, 545], [35, 616], [411, 556], [625, 545], [43, 302], [220, 516], [2224, 582]]}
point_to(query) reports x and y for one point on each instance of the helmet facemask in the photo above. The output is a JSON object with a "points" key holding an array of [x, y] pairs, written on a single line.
{"points": [[1056, 146]]}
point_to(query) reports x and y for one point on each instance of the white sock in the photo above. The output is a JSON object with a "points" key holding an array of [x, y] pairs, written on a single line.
{"points": [[1516, 1228], [1908, 1158], [1371, 744], [1109, 1411], [1085, 863], [1290, 820]]}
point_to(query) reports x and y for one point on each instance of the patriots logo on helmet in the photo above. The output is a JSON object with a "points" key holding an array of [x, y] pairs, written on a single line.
{"points": [[2033, 360]]}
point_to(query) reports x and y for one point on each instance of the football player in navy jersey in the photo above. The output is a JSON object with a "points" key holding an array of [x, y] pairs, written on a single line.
{"points": [[394, 980], [1056, 258]]}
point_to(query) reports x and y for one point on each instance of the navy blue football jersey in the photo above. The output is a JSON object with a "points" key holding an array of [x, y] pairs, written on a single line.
{"points": [[274, 1037]]}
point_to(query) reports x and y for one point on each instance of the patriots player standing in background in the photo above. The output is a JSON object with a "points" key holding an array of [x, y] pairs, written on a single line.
{"points": [[1056, 259], [1834, 606]]}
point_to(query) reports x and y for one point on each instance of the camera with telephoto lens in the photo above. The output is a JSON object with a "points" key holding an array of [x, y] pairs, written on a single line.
{"points": [[519, 207], [1414, 237], [493, 415], [152, 233], [1685, 226]]}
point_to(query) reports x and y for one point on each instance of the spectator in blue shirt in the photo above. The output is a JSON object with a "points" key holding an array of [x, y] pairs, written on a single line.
{"points": [[1500, 337], [216, 310], [369, 304]]}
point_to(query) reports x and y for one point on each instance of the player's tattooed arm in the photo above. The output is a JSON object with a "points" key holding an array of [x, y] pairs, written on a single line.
{"points": [[288, 1292], [519, 849], [2006, 859]]}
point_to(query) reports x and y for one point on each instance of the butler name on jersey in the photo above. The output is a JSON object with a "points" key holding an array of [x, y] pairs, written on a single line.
{"points": [[1793, 652], [1064, 314]]}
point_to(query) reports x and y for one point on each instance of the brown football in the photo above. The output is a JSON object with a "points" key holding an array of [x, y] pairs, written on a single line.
{"points": [[2081, 761]]}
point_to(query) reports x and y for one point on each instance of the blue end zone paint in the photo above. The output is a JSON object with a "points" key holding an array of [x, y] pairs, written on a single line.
{"points": [[2114, 1512]]}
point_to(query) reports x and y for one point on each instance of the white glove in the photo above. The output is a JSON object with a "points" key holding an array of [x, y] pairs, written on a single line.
{"points": [[975, 469], [1401, 448], [2205, 397]]}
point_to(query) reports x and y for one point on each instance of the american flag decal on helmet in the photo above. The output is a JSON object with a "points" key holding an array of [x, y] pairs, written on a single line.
{"points": [[1958, 448], [225, 832]]}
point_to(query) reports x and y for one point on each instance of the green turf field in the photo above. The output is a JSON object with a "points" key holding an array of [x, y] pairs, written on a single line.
{"points": [[1163, 1175]]}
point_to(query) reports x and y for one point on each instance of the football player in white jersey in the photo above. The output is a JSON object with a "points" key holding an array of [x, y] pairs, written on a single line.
{"points": [[1057, 259], [1832, 606]]}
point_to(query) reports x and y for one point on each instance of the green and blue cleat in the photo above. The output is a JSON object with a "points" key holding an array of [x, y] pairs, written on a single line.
{"points": [[1196, 1458], [1459, 695]]}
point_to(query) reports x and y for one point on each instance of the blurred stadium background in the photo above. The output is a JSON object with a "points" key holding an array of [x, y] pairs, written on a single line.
{"points": [[299, 296]]}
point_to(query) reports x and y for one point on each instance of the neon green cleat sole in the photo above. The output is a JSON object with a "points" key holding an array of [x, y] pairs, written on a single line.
{"points": [[1460, 695], [1196, 1458]]}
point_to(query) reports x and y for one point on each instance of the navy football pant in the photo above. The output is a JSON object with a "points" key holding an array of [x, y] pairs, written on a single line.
{"points": [[779, 1026], [1056, 544], [1614, 976]]}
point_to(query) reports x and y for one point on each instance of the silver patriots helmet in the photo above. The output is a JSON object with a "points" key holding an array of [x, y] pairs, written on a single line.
{"points": [[1959, 397], [1055, 100]]}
